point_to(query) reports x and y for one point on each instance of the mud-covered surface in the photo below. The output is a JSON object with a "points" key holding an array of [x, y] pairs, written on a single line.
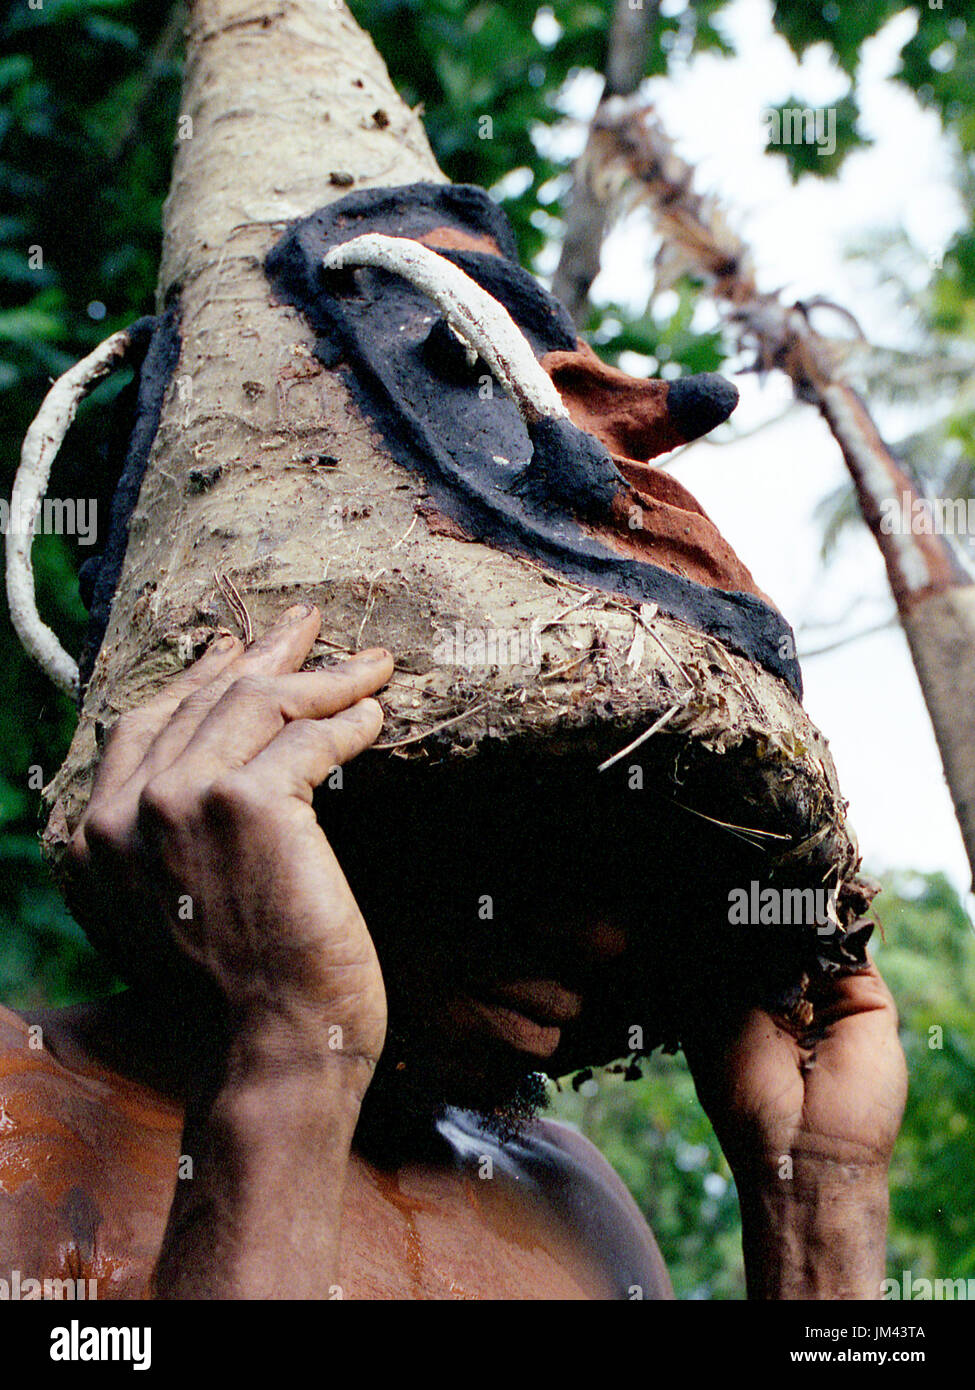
{"points": [[547, 494]]}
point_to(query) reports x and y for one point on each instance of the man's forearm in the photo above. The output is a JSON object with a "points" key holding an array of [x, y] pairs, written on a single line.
{"points": [[260, 1217], [819, 1235]]}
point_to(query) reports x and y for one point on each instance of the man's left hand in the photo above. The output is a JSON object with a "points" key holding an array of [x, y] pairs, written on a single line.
{"points": [[807, 1119]]}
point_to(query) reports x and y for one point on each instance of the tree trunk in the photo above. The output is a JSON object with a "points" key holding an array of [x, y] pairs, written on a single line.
{"points": [[262, 469]]}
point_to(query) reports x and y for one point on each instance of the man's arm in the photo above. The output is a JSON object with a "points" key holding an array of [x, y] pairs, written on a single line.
{"points": [[816, 1236], [261, 1217], [808, 1125], [202, 839]]}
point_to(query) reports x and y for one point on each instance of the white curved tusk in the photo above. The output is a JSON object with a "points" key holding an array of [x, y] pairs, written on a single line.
{"points": [[480, 320], [40, 447]]}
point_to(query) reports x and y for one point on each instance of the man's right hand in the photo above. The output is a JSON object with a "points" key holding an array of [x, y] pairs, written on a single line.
{"points": [[200, 842]]}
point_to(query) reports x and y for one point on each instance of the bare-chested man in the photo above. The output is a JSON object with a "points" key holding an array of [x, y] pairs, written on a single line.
{"points": [[253, 1119]]}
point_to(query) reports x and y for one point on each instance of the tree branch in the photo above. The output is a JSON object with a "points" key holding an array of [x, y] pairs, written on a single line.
{"points": [[592, 202]]}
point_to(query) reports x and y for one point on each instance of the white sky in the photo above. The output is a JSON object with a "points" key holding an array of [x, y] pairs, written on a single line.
{"points": [[762, 492]]}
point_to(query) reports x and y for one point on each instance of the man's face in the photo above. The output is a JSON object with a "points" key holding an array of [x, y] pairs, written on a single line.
{"points": [[520, 968], [514, 924]]}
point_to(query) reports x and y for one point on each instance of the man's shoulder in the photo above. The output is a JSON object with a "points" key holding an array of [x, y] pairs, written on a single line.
{"points": [[83, 1162], [562, 1144], [51, 1083], [579, 1149], [13, 1029], [565, 1169], [39, 1156], [49, 1111], [602, 1208], [24, 1058]]}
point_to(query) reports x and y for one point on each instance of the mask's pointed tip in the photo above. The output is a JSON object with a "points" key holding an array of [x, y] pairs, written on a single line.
{"points": [[698, 403]]}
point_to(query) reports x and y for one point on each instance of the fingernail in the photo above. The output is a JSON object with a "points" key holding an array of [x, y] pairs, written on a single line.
{"points": [[224, 644], [297, 611], [373, 654]]}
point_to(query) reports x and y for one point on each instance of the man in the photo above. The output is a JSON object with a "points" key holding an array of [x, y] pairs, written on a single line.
{"points": [[239, 1123]]}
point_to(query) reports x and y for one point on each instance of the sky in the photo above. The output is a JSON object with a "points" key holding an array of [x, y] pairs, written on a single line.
{"points": [[763, 490]]}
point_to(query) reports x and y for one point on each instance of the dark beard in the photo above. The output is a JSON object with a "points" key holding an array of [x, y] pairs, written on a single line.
{"points": [[410, 1092]]}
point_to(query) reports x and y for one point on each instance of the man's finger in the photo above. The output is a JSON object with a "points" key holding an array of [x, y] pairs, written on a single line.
{"points": [[845, 996], [253, 711], [281, 649], [306, 751], [135, 731]]}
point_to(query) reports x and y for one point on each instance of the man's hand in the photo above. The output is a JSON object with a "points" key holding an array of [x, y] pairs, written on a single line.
{"points": [[200, 842], [808, 1122], [201, 849]]}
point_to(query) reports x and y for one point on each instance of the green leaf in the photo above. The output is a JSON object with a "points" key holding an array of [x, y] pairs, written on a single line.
{"points": [[814, 140]]}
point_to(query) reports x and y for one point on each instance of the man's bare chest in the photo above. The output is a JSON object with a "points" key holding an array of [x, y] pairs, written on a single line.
{"points": [[404, 1236], [89, 1171], [417, 1235]]}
